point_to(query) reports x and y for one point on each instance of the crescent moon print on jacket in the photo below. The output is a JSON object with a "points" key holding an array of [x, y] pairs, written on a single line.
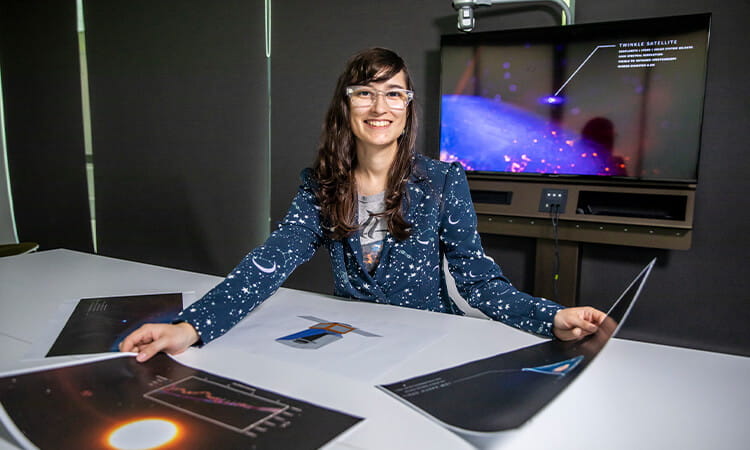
{"points": [[443, 225]]}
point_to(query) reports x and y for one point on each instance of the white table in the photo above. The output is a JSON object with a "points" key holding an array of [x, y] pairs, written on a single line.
{"points": [[634, 395]]}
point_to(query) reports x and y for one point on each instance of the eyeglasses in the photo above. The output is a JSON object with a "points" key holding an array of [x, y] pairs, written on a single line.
{"points": [[364, 96]]}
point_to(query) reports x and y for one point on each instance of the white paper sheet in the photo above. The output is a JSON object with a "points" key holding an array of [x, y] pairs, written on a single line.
{"points": [[358, 355]]}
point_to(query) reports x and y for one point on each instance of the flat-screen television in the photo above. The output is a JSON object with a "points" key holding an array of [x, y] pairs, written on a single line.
{"points": [[617, 100]]}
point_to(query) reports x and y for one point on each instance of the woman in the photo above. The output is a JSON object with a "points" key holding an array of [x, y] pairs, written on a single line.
{"points": [[387, 217]]}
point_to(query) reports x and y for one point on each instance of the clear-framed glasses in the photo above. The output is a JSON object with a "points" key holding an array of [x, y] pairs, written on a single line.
{"points": [[364, 96]]}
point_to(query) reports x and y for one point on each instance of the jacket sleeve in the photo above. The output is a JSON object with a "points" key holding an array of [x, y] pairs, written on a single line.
{"points": [[262, 271], [478, 279]]}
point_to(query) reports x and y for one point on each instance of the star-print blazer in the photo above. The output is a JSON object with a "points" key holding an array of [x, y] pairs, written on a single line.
{"points": [[443, 224]]}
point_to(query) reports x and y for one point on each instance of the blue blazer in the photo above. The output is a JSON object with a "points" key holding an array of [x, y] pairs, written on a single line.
{"points": [[443, 224]]}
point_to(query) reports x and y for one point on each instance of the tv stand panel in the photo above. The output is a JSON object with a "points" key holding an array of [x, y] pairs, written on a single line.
{"points": [[654, 216]]}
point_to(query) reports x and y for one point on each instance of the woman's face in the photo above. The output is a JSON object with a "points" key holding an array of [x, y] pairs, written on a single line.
{"points": [[378, 126]]}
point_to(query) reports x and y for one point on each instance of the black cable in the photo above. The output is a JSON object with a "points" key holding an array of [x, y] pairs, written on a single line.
{"points": [[555, 213]]}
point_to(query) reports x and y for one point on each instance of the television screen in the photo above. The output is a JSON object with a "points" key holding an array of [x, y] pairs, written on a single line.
{"points": [[618, 100]]}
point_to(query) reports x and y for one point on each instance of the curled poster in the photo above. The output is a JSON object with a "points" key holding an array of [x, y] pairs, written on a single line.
{"points": [[502, 392]]}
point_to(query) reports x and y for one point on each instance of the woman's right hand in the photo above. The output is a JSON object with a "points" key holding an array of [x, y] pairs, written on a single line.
{"points": [[153, 338]]}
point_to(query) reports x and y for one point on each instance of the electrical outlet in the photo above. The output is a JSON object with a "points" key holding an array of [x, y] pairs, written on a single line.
{"points": [[552, 198]]}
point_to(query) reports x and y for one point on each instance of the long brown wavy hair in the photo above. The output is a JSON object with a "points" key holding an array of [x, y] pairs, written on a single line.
{"points": [[337, 155]]}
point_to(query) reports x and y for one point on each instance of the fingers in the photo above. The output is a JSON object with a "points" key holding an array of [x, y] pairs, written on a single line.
{"points": [[584, 323], [575, 323], [148, 351], [597, 317], [150, 339], [146, 341], [587, 327], [134, 340], [575, 333], [568, 334]]}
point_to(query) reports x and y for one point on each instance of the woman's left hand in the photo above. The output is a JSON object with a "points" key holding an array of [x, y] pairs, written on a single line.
{"points": [[574, 323]]}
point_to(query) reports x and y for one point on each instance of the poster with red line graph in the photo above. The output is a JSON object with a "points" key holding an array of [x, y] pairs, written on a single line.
{"points": [[119, 403]]}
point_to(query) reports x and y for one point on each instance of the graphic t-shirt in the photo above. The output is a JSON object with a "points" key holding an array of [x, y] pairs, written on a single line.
{"points": [[373, 228]]}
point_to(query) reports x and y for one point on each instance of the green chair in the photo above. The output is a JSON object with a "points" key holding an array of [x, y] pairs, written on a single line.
{"points": [[17, 249]]}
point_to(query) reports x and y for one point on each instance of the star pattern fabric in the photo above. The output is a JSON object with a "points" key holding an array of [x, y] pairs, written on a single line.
{"points": [[443, 224]]}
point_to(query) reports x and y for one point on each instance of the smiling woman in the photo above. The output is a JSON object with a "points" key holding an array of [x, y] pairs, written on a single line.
{"points": [[367, 145], [388, 218], [377, 124]]}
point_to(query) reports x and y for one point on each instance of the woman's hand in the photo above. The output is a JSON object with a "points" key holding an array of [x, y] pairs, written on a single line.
{"points": [[153, 338], [575, 323]]}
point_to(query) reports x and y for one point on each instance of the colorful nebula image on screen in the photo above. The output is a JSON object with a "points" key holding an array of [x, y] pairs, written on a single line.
{"points": [[623, 100]]}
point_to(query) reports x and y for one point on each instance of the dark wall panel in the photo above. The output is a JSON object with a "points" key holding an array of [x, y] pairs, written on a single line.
{"points": [[697, 298], [43, 123], [180, 132]]}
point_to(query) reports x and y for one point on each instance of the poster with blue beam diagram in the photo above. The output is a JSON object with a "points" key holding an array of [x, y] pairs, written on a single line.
{"points": [[481, 399]]}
